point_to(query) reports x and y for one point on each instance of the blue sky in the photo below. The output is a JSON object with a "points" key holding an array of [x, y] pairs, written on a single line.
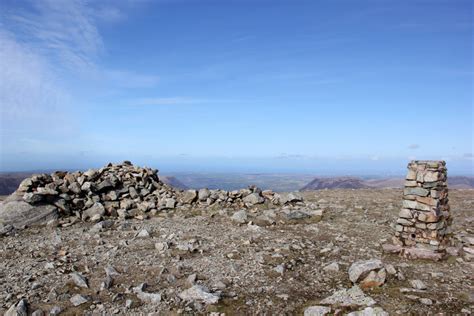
{"points": [[300, 86]]}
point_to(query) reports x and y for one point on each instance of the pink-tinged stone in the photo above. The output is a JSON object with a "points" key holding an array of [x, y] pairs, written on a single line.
{"points": [[418, 253], [389, 248]]}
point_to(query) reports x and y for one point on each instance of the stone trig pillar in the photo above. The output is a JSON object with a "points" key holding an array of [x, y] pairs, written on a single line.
{"points": [[423, 226]]}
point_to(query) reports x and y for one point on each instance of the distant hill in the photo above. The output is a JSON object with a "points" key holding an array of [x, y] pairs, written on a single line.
{"points": [[9, 182], [335, 183], [460, 182], [278, 182], [385, 183], [454, 182], [174, 182]]}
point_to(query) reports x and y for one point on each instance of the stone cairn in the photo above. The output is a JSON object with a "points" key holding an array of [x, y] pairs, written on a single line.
{"points": [[124, 190], [423, 227]]}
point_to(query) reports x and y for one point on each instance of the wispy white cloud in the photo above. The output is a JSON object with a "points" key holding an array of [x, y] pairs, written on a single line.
{"points": [[43, 44], [29, 94], [128, 79], [63, 31]]}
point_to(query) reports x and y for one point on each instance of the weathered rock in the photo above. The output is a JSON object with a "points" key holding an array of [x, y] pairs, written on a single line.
{"points": [[374, 279], [104, 185], [20, 214], [79, 299], [79, 280], [426, 301], [37, 312], [360, 269], [96, 209], [418, 284], [33, 198], [145, 297], [144, 233], [332, 267], [317, 311], [253, 199], [203, 194], [240, 217], [369, 311], [349, 297], [291, 197], [199, 294], [75, 188], [170, 203], [296, 215], [56, 310], [416, 191], [18, 309], [109, 270], [189, 196]]}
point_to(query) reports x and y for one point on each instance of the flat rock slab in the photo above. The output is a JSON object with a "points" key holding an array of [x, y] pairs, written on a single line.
{"points": [[20, 214], [349, 297], [361, 268]]}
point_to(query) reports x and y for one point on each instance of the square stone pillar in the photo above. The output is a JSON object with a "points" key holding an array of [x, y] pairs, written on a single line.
{"points": [[423, 227]]}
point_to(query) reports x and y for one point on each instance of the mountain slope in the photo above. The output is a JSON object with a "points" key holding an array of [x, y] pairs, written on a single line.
{"points": [[335, 183]]}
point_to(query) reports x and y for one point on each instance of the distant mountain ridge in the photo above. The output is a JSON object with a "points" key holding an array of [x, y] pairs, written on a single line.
{"points": [[335, 183], [454, 182], [278, 182]]}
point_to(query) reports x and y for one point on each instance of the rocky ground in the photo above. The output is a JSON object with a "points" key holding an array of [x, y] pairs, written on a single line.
{"points": [[280, 261]]}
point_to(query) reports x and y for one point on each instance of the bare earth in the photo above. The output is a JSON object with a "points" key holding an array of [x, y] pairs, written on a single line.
{"points": [[261, 268]]}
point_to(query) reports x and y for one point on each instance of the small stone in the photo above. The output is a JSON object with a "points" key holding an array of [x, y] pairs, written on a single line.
{"points": [[95, 209], [279, 269], [110, 271], [349, 297], [79, 280], [170, 203], [390, 269], [79, 299], [161, 246], [426, 301], [418, 284], [361, 268], [332, 267], [150, 298], [405, 213], [317, 311], [199, 294], [56, 310], [240, 217], [128, 304], [191, 279], [203, 194], [75, 188], [18, 309], [369, 311], [189, 196], [143, 233], [416, 191], [253, 199], [374, 279], [37, 312]]}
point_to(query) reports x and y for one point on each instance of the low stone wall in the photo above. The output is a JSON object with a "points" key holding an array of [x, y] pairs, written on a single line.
{"points": [[125, 190]]}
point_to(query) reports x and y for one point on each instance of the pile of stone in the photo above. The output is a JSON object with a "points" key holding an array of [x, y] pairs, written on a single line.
{"points": [[423, 226], [125, 190]]}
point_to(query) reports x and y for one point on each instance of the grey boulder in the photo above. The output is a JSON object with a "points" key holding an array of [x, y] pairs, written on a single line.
{"points": [[20, 214]]}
